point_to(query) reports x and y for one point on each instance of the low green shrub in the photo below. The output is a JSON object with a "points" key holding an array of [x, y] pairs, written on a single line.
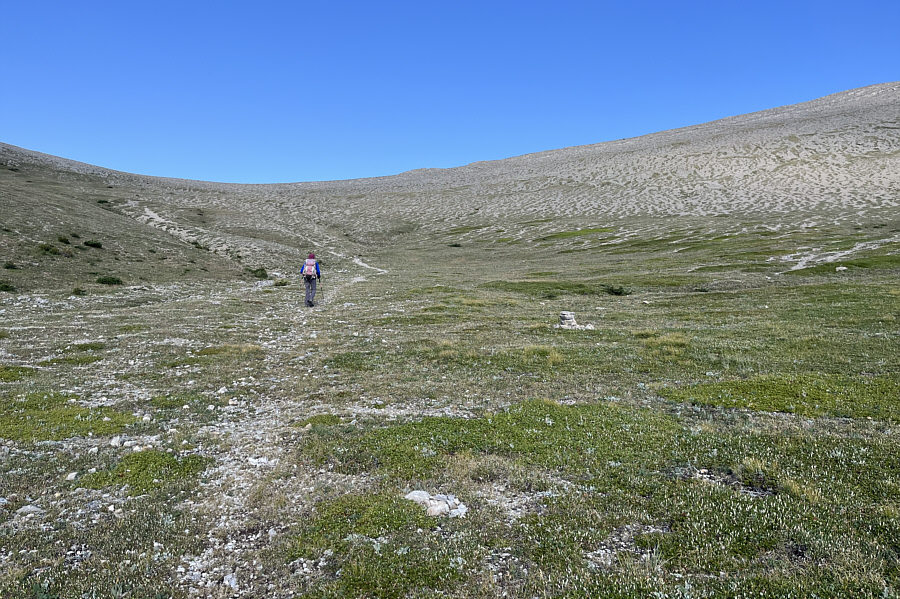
{"points": [[109, 280]]}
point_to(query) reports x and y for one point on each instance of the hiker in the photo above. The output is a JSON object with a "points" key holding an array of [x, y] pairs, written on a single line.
{"points": [[311, 274]]}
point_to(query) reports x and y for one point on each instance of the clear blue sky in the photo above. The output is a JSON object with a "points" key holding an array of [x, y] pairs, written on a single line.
{"points": [[297, 91]]}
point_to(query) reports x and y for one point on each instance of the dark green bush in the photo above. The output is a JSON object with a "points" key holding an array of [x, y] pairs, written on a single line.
{"points": [[109, 280], [93, 243]]}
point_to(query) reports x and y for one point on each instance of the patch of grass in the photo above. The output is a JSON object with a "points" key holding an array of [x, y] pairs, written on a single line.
{"points": [[176, 400], [543, 433], [148, 470], [93, 243], [577, 233], [320, 420], [259, 273], [78, 291], [15, 373], [63, 239], [7, 287], [109, 280], [282, 283], [51, 417], [49, 249], [355, 360], [379, 545], [805, 394], [10, 265], [553, 289]]}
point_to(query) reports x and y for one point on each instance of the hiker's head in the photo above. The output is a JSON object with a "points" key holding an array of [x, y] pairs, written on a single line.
{"points": [[311, 255]]}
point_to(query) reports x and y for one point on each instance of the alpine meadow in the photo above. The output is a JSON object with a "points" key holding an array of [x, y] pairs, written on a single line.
{"points": [[721, 418]]}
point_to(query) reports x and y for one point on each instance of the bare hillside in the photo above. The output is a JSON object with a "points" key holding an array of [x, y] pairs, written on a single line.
{"points": [[835, 160]]}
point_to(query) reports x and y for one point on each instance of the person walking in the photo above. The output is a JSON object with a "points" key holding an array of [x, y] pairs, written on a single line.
{"points": [[311, 275]]}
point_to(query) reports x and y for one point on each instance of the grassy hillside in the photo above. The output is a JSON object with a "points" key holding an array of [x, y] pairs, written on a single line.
{"points": [[726, 428]]}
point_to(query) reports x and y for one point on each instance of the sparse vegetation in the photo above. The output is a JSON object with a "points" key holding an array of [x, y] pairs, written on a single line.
{"points": [[93, 243]]}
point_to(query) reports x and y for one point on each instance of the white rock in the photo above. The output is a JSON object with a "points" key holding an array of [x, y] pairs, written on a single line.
{"points": [[438, 508], [28, 510], [147, 418], [72, 476], [116, 441], [420, 497], [230, 580], [93, 450], [840, 268], [459, 512], [222, 390]]}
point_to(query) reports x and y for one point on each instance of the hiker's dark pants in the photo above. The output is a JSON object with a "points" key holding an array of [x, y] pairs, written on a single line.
{"points": [[310, 283]]}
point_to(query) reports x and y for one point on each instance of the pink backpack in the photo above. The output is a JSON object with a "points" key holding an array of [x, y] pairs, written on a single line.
{"points": [[309, 268]]}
